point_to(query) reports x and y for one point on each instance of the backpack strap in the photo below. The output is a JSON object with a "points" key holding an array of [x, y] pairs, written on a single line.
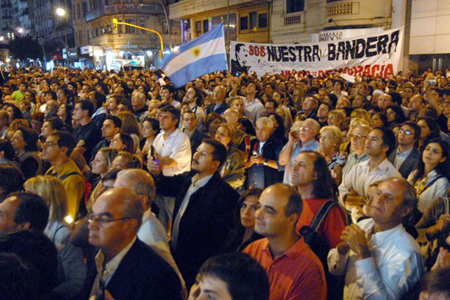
{"points": [[431, 183], [320, 216], [69, 174]]}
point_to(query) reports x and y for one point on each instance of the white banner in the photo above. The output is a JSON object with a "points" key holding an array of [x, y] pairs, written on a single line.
{"points": [[374, 54]]}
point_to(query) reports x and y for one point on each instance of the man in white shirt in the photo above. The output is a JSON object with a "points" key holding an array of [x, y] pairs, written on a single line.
{"points": [[253, 107], [356, 184], [379, 258], [173, 156]]}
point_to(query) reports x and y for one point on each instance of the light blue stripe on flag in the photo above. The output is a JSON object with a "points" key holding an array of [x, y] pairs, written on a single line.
{"points": [[205, 54]]}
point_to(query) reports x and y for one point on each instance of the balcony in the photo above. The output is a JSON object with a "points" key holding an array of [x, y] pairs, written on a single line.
{"points": [[125, 8]]}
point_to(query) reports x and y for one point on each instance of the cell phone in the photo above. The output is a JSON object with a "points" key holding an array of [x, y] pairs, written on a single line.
{"points": [[237, 73], [432, 82]]}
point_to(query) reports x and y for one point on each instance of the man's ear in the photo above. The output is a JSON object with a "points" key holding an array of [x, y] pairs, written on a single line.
{"points": [[292, 219], [216, 164], [405, 210]]}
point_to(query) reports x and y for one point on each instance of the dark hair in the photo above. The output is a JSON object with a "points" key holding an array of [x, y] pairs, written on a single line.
{"points": [[154, 123], [415, 127], [396, 98], [99, 98], [244, 277], [434, 129], [238, 47], [173, 111], [399, 114], [32, 209], [111, 175], [388, 137], [248, 126], [442, 168], [11, 179], [65, 140], [87, 105], [126, 102], [127, 140], [280, 130], [116, 120], [19, 279], [168, 87], [256, 192], [436, 281], [8, 149], [219, 153], [382, 117], [295, 203], [17, 114], [324, 186], [30, 137], [56, 122]]}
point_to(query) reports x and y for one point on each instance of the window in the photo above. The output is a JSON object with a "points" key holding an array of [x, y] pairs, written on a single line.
{"points": [[198, 28], [253, 20], [262, 20], [205, 25], [243, 23], [293, 6]]}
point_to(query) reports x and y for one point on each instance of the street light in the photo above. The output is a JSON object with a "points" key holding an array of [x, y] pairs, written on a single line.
{"points": [[61, 12]]}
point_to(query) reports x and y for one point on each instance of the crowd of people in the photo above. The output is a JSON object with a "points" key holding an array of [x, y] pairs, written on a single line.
{"points": [[117, 185]]}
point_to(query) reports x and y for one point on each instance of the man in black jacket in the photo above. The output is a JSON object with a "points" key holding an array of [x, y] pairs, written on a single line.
{"points": [[204, 208], [125, 268]]}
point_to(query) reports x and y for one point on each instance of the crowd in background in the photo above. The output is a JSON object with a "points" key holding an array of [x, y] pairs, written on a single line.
{"points": [[225, 164]]}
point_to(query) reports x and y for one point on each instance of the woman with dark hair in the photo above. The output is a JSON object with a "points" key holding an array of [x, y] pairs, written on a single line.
{"points": [[7, 154], [379, 120], [65, 114], [280, 131], [212, 122], [429, 130], [123, 142], [395, 115], [150, 129], [246, 126], [24, 142], [13, 112], [244, 232], [430, 179]]}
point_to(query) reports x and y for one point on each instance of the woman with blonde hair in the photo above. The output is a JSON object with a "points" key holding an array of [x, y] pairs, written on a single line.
{"points": [[72, 269], [329, 142]]}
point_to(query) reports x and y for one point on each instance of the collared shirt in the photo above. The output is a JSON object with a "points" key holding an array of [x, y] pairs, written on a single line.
{"points": [[106, 272], [311, 145], [394, 268], [195, 186], [352, 161], [178, 147], [431, 192], [360, 177], [253, 110], [400, 157], [296, 274]]}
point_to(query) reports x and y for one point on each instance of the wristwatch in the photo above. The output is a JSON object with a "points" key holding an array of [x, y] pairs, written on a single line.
{"points": [[265, 162]]}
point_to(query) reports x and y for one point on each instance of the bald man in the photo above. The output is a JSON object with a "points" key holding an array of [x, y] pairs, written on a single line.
{"points": [[125, 268], [219, 106]]}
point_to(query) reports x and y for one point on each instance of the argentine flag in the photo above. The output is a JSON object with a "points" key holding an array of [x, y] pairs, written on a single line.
{"points": [[206, 54]]}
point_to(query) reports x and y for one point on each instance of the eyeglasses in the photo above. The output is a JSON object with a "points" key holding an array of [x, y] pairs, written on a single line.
{"points": [[407, 132], [104, 219], [305, 128], [50, 144], [358, 136]]}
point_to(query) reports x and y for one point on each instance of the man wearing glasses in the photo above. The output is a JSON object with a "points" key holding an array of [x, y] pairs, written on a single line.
{"points": [[125, 268], [358, 137], [299, 141], [379, 143], [406, 156]]}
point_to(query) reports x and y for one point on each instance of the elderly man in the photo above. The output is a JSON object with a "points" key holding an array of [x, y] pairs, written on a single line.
{"points": [[125, 268], [219, 106], [294, 270], [379, 258], [358, 137], [304, 139], [151, 231], [262, 166]]}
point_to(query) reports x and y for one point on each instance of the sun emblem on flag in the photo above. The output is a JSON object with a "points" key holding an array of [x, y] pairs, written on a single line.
{"points": [[196, 51]]}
